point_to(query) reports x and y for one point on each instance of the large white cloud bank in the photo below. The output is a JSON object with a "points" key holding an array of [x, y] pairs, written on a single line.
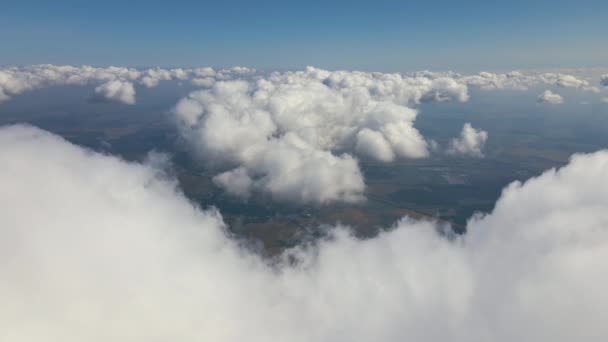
{"points": [[96, 249]]}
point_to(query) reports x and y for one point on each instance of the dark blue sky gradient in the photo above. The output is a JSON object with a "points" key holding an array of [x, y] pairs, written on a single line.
{"points": [[371, 35]]}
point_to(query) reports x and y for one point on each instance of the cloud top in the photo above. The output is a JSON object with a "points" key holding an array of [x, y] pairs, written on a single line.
{"points": [[111, 250]]}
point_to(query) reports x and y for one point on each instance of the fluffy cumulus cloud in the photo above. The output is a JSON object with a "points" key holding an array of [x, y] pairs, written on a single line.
{"points": [[569, 81], [550, 97], [151, 77], [490, 81], [470, 142], [97, 249], [206, 77], [293, 134], [117, 91], [372, 144]]}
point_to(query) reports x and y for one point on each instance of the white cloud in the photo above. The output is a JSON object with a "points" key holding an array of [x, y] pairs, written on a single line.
{"points": [[117, 91], [205, 82], [180, 74], [11, 85], [523, 80], [97, 249], [372, 144], [404, 89], [151, 77], [204, 72], [490, 81], [569, 81], [287, 134], [470, 142], [400, 89], [291, 169], [550, 97], [604, 100], [16, 80], [148, 82]]}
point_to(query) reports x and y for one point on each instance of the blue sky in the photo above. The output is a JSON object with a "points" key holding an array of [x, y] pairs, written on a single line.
{"points": [[373, 35]]}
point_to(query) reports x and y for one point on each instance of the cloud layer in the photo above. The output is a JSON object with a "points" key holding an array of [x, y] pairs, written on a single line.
{"points": [[412, 87], [524, 80], [97, 249], [16, 80]]}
